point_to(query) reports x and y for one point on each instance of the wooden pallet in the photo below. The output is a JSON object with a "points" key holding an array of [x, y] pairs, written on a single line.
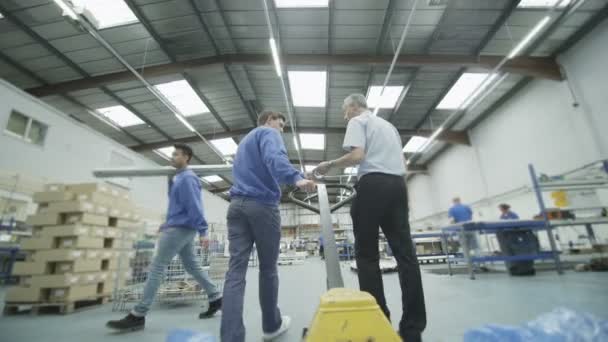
{"points": [[62, 308]]}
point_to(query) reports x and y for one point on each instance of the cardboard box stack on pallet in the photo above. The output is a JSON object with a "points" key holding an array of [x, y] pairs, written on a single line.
{"points": [[83, 235]]}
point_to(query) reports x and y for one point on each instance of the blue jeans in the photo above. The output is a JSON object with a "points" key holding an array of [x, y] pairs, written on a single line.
{"points": [[174, 241], [251, 222]]}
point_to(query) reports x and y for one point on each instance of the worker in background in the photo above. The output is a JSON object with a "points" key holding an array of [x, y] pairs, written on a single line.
{"points": [[506, 213], [459, 212], [462, 213], [184, 219], [375, 145], [260, 165], [321, 248]]}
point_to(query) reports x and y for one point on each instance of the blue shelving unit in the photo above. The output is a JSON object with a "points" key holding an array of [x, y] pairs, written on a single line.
{"points": [[492, 227]]}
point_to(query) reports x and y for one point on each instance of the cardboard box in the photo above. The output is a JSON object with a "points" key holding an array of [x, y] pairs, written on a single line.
{"points": [[50, 280], [44, 219], [79, 242], [52, 196], [81, 265], [19, 294], [37, 243], [68, 230], [58, 255], [72, 293], [21, 268], [88, 219], [101, 254], [55, 187], [128, 224], [78, 207], [91, 188], [65, 280]]}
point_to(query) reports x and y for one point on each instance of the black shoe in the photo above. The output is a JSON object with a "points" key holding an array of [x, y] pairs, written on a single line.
{"points": [[129, 323], [214, 307], [410, 337]]}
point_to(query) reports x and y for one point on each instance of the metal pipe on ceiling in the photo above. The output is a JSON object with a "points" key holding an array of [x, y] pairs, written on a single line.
{"points": [[276, 54], [88, 27], [491, 81], [397, 53]]}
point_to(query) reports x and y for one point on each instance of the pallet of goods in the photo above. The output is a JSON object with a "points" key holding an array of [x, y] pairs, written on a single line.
{"points": [[79, 251]]}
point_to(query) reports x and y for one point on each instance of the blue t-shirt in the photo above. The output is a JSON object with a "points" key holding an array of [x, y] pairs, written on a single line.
{"points": [[509, 215], [185, 203], [460, 213], [261, 165]]}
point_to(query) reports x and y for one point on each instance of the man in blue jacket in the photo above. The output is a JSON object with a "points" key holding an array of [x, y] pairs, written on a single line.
{"points": [[260, 166], [184, 220]]}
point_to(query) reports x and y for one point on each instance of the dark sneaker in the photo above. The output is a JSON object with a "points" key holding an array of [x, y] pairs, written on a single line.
{"points": [[410, 337], [214, 307], [129, 323]]}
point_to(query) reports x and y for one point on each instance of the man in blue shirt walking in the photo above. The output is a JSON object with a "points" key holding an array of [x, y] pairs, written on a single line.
{"points": [[260, 165], [506, 213], [184, 220], [460, 212]]}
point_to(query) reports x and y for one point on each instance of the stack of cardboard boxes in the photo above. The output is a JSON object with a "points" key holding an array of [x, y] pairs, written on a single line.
{"points": [[82, 236]]}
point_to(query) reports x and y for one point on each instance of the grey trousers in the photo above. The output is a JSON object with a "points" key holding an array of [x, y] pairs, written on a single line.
{"points": [[174, 241], [251, 222]]}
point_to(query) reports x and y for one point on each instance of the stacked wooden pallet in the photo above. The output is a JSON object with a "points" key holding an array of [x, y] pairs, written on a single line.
{"points": [[80, 248]]}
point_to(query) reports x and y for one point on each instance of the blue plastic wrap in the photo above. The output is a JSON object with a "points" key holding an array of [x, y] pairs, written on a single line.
{"points": [[182, 335], [559, 325]]}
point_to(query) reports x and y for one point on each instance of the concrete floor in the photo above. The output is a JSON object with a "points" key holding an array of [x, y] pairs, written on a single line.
{"points": [[454, 304]]}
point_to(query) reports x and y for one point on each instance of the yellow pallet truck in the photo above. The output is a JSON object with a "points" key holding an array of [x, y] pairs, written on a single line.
{"points": [[344, 315]]}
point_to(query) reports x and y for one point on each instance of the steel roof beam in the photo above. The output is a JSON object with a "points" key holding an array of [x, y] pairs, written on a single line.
{"points": [[455, 137], [540, 67]]}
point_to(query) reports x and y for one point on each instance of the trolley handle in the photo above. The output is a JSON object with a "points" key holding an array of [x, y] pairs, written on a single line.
{"points": [[334, 207]]}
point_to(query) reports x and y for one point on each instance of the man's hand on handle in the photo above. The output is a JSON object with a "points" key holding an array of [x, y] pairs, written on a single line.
{"points": [[306, 185], [323, 168]]}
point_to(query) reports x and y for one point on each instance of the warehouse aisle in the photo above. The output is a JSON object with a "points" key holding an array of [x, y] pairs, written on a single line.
{"points": [[454, 305]]}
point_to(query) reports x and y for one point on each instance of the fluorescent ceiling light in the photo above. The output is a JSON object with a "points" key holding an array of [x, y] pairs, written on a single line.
{"points": [[106, 13], [308, 88], [463, 91], [387, 100], [275, 57], [165, 151], [351, 170], [183, 97], [542, 3], [120, 116], [312, 141], [1, 16], [66, 10], [533, 33], [300, 3], [213, 179], [414, 144], [226, 146]]}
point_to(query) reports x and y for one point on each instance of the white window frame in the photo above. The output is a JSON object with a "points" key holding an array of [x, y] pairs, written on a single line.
{"points": [[28, 127]]}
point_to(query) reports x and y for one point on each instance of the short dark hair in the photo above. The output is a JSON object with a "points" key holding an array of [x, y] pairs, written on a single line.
{"points": [[270, 115], [187, 150], [504, 206]]}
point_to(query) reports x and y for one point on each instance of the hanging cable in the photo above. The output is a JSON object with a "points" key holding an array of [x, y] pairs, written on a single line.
{"points": [[275, 51], [86, 26]]}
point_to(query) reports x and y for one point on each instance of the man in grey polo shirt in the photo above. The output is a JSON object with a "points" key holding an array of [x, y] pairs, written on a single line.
{"points": [[375, 145]]}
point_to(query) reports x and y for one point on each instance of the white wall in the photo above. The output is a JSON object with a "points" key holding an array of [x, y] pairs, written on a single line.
{"points": [[539, 125], [72, 150]]}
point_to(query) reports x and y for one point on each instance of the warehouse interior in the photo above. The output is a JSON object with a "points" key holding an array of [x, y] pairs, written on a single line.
{"points": [[496, 102]]}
